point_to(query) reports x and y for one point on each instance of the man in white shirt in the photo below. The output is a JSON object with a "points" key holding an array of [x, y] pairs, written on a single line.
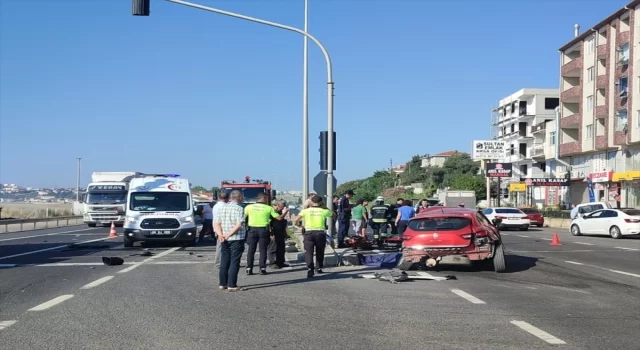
{"points": [[223, 199], [207, 221]]}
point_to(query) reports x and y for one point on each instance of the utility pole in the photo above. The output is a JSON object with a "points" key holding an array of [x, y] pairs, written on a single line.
{"points": [[305, 105], [78, 182], [390, 163]]}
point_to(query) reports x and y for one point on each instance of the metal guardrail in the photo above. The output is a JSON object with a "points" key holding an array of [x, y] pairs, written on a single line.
{"points": [[32, 224]]}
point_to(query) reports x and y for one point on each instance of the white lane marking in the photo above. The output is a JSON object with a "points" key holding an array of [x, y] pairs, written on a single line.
{"points": [[504, 234], [52, 302], [625, 273], [523, 236], [149, 259], [583, 243], [625, 248], [573, 262], [538, 332], [44, 235], [53, 248], [71, 264], [546, 239], [467, 296], [552, 251], [96, 282], [7, 324]]}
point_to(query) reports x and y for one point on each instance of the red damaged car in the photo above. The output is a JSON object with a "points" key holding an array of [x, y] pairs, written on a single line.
{"points": [[449, 232]]}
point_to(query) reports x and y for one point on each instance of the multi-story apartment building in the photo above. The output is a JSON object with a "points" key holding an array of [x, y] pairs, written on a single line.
{"points": [[525, 120], [600, 109]]}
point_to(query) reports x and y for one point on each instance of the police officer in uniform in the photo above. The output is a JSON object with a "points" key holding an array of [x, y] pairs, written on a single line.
{"points": [[344, 217], [278, 238], [379, 220], [259, 217], [315, 235]]}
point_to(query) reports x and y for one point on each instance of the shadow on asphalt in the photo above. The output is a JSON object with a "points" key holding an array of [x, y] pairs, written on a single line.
{"points": [[346, 274]]}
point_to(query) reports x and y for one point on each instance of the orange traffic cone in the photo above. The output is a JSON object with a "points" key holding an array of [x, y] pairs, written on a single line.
{"points": [[555, 240], [112, 232]]}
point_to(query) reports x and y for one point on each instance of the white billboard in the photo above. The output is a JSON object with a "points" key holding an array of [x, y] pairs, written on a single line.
{"points": [[489, 149]]}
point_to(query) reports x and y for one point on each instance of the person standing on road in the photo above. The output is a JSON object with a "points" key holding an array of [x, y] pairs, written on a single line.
{"points": [[223, 198], [276, 247], [574, 212], [379, 220], [424, 205], [259, 217], [344, 217], [359, 218], [308, 202], [229, 227], [393, 214], [315, 235], [207, 222], [405, 213]]}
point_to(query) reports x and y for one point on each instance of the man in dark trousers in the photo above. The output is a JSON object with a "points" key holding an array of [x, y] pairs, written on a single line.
{"points": [[315, 234], [393, 214], [379, 220], [344, 218], [278, 238], [259, 217]]}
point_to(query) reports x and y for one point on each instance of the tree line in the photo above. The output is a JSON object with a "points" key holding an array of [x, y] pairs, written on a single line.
{"points": [[459, 172]]}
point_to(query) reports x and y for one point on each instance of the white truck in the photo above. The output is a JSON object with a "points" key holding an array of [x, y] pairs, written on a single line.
{"points": [[106, 197], [453, 198], [159, 209]]}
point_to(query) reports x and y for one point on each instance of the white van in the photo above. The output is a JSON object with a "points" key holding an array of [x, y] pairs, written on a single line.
{"points": [[586, 208], [159, 209]]}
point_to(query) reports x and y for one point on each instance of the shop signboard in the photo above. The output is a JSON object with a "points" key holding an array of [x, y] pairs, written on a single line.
{"points": [[545, 182]]}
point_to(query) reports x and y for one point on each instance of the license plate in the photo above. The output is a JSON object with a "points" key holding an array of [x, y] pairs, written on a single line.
{"points": [[514, 218], [160, 232]]}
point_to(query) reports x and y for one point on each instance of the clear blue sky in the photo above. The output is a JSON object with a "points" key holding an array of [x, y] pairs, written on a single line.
{"points": [[211, 98]]}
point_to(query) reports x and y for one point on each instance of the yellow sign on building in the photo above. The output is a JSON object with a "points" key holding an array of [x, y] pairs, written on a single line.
{"points": [[517, 187]]}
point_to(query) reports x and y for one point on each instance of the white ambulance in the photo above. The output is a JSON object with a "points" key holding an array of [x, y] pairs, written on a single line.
{"points": [[159, 209]]}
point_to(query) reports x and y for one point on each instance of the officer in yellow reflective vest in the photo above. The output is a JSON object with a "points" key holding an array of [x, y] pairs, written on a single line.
{"points": [[259, 217], [315, 235]]}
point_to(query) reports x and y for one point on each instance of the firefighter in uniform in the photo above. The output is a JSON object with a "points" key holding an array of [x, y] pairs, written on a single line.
{"points": [[379, 220], [315, 234], [259, 217]]}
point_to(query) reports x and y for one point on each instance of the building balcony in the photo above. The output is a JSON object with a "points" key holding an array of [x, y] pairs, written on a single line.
{"points": [[523, 134], [570, 148], [539, 128], [602, 81], [602, 142], [571, 95], [571, 122], [573, 68], [602, 112], [602, 51], [537, 152]]}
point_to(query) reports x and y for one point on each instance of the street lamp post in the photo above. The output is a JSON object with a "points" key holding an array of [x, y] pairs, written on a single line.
{"points": [[305, 105], [78, 181], [142, 8]]}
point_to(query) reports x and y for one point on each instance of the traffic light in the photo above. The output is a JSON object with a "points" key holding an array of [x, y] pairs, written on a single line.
{"points": [[505, 192], [140, 7], [324, 150]]}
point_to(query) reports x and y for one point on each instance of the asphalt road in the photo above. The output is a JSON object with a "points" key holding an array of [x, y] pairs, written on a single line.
{"points": [[583, 294]]}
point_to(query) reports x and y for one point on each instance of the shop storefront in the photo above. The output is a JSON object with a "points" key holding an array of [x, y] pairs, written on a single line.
{"points": [[628, 185], [548, 190], [601, 183]]}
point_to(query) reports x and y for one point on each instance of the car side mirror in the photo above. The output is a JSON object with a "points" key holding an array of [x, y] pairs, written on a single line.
{"points": [[496, 222]]}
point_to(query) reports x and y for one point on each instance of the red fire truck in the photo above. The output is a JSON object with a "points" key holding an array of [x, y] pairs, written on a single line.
{"points": [[250, 188]]}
